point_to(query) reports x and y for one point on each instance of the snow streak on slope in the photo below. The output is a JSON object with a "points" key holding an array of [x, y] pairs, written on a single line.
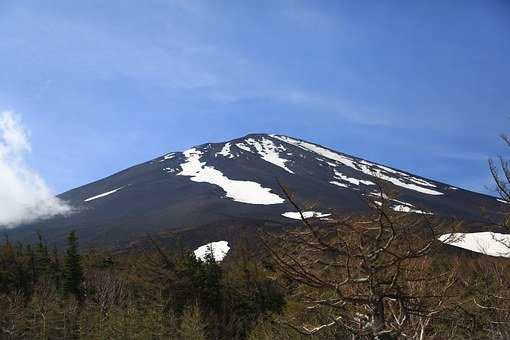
{"points": [[219, 250], [225, 151], [409, 208], [339, 184], [240, 191], [167, 157], [269, 152], [306, 214], [355, 181], [398, 205], [243, 147], [102, 195], [488, 243], [367, 168]]}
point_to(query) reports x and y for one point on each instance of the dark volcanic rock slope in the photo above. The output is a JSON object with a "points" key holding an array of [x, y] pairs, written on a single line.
{"points": [[237, 182]]}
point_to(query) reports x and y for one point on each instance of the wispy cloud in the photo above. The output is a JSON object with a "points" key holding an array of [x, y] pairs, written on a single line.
{"points": [[315, 102], [24, 195]]}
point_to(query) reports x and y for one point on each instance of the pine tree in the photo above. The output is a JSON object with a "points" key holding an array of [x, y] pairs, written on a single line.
{"points": [[73, 270], [55, 268], [42, 258], [212, 274]]}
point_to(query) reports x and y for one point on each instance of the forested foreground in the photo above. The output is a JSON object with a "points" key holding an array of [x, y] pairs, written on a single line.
{"points": [[382, 275]]}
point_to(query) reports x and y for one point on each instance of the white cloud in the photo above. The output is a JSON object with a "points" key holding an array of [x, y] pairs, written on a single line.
{"points": [[24, 195], [310, 100]]}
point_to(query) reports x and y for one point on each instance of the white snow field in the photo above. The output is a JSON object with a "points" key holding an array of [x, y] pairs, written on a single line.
{"points": [[409, 208], [270, 152], [343, 185], [102, 195], [368, 168], [220, 250], [340, 176], [225, 151], [243, 147], [240, 191], [488, 243], [306, 214]]}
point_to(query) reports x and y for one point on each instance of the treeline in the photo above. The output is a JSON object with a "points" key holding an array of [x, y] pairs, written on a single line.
{"points": [[24, 268], [157, 294], [380, 275], [351, 279]]}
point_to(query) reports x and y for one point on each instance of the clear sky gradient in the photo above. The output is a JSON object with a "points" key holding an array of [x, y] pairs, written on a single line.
{"points": [[422, 86]]}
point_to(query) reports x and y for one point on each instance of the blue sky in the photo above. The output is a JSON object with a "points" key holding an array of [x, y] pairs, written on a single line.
{"points": [[423, 86]]}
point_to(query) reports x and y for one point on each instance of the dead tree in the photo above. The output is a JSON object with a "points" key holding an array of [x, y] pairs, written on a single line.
{"points": [[491, 283], [500, 171], [373, 275]]}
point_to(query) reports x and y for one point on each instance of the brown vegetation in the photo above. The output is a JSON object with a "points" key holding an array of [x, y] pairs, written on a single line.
{"points": [[381, 275]]}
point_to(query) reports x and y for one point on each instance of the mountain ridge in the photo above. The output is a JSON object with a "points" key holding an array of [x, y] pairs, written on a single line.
{"points": [[273, 134], [237, 178]]}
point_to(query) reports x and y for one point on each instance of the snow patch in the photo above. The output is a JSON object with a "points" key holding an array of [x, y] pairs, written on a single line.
{"points": [[240, 191], [225, 151], [339, 184], [368, 168], [269, 152], [488, 243], [167, 157], [219, 250], [243, 147], [355, 181], [401, 206], [306, 214], [379, 195], [502, 201], [102, 195], [409, 209], [414, 187]]}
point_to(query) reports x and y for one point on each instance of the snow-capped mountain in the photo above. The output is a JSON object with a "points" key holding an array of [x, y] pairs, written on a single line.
{"points": [[236, 183]]}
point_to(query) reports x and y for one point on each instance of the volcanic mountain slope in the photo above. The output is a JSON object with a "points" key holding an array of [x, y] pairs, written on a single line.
{"points": [[236, 183]]}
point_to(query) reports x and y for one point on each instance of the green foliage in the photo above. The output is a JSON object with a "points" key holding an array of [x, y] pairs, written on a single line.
{"points": [[161, 295], [73, 272], [172, 295], [249, 294]]}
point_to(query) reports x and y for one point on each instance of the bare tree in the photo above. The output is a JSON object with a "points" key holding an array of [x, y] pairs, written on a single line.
{"points": [[490, 282], [372, 275], [500, 170]]}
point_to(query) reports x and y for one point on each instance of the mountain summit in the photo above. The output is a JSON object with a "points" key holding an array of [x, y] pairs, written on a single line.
{"points": [[236, 183]]}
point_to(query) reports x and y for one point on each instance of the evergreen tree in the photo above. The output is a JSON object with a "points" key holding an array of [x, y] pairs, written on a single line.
{"points": [[42, 258], [30, 254], [55, 268], [212, 290], [73, 270]]}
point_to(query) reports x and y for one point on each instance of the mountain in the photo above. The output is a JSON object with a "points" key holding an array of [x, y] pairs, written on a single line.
{"points": [[210, 191]]}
